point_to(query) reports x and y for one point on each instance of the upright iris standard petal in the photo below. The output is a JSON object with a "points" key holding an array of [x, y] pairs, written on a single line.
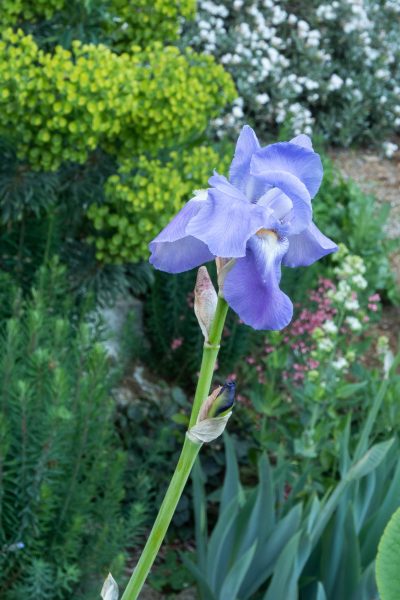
{"points": [[293, 159], [251, 288], [302, 140], [297, 192], [173, 250], [227, 220], [307, 247], [246, 145]]}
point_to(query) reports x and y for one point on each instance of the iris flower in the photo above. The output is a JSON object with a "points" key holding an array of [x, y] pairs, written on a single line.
{"points": [[261, 218]]}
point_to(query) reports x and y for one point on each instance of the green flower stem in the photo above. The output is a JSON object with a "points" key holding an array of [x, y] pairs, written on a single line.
{"points": [[186, 461], [210, 353]]}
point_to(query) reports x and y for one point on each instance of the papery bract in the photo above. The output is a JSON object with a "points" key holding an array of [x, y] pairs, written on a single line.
{"points": [[261, 218]]}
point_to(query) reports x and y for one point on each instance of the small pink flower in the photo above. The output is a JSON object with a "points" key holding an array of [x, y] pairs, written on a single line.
{"points": [[313, 364], [374, 298], [190, 299], [176, 343]]}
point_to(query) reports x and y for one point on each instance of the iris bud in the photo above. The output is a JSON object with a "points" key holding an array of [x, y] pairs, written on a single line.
{"points": [[214, 414], [110, 591], [205, 301]]}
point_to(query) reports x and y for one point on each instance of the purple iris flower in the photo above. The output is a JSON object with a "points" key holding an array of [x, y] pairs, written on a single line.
{"points": [[261, 217]]}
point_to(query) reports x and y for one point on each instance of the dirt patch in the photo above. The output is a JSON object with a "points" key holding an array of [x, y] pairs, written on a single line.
{"points": [[377, 176], [380, 177]]}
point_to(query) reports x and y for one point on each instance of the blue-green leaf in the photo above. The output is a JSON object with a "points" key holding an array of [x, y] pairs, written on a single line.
{"points": [[236, 575], [388, 560]]}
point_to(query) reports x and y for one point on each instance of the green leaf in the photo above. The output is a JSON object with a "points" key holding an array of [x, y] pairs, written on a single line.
{"points": [[200, 513], [200, 577], [220, 544], [257, 515], [236, 574], [180, 419], [370, 461], [320, 595], [349, 389], [231, 488], [269, 550], [349, 571], [375, 525], [388, 560], [286, 572]]}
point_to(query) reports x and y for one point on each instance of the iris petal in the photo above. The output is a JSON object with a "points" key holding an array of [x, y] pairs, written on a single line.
{"points": [[302, 140], [226, 221], [307, 247], [221, 183], [173, 250], [301, 213], [289, 158], [246, 145], [251, 288]]}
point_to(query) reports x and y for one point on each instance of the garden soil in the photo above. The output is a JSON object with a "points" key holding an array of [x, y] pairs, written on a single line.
{"points": [[380, 177]]}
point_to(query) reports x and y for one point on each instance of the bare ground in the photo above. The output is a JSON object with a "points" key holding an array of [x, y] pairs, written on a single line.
{"points": [[378, 176]]}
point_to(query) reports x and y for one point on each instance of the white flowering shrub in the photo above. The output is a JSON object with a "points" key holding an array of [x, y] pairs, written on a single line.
{"points": [[331, 66]]}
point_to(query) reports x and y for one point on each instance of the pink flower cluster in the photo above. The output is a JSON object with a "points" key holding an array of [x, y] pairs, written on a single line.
{"points": [[299, 333], [373, 302], [176, 343], [298, 336]]}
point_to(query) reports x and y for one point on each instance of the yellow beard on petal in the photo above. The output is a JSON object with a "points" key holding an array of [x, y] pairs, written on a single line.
{"points": [[263, 233]]}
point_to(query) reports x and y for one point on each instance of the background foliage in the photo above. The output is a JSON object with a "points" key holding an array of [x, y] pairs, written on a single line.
{"points": [[330, 66], [108, 123], [61, 481]]}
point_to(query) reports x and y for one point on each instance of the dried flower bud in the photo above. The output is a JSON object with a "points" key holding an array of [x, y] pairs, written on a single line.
{"points": [[205, 301], [110, 591], [214, 414]]}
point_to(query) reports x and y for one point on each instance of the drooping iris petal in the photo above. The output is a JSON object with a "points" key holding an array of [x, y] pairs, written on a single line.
{"points": [[251, 288], [226, 221], [289, 159], [246, 145], [307, 247], [173, 250]]}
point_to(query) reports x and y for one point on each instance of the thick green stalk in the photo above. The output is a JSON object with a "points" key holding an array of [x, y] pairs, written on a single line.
{"points": [[185, 463], [210, 353]]}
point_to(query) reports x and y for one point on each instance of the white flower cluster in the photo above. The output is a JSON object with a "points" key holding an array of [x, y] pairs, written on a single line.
{"points": [[389, 149], [335, 65], [350, 270]]}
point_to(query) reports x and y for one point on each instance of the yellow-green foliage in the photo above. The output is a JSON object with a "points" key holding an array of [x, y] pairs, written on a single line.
{"points": [[144, 196], [60, 106], [28, 10], [127, 21], [145, 21]]}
